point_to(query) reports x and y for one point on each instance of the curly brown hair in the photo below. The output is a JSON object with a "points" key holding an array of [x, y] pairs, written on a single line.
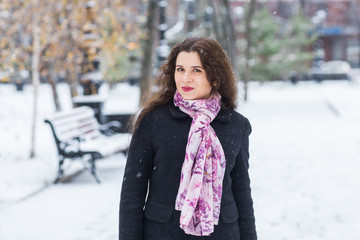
{"points": [[217, 67]]}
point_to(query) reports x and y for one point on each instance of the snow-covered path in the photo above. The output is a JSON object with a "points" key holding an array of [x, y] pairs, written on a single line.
{"points": [[304, 165], [76, 210], [305, 154]]}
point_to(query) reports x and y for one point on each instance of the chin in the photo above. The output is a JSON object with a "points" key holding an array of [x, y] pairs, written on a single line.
{"points": [[187, 96]]}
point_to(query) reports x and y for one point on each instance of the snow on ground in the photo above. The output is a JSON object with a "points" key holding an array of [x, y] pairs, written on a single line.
{"points": [[20, 176], [80, 209], [305, 151], [304, 166]]}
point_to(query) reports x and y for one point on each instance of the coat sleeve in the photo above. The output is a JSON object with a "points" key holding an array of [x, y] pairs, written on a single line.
{"points": [[135, 183], [241, 188]]}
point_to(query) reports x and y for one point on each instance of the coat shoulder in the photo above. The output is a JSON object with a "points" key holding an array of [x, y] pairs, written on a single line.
{"points": [[158, 112], [239, 119], [238, 116], [157, 116]]}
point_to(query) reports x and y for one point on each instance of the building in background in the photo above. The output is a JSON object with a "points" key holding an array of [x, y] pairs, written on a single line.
{"points": [[336, 22], [339, 35]]}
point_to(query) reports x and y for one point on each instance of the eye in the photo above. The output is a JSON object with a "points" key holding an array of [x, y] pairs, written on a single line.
{"points": [[179, 69], [197, 70]]}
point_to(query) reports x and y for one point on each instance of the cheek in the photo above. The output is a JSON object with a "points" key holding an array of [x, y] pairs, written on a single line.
{"points": [[177, 82], [176, 77], [206, 85]]}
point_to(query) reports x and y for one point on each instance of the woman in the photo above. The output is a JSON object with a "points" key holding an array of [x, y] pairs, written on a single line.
{"points": [[186, 175]]}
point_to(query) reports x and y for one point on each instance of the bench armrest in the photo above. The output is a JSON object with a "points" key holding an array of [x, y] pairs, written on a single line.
{"points": [[71, 146], [110, 128]]}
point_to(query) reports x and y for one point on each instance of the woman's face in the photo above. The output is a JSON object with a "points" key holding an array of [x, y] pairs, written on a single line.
{"points": [[190, 77]]}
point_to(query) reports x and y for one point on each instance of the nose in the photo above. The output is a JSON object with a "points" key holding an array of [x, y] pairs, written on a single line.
{"points": [[187, 76]]}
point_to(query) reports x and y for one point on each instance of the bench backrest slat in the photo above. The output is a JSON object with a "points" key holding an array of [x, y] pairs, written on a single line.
{"points": [[77, 122]]}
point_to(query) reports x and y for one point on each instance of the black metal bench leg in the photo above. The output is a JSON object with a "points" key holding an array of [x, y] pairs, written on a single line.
{"points": [[93, 169], [60, 169]]}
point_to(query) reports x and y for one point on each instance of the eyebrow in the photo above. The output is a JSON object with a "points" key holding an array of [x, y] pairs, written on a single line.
{"points": [[191, 66]]}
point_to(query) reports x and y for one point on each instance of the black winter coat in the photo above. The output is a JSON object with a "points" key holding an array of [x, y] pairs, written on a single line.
{"points": [[152, 177]]}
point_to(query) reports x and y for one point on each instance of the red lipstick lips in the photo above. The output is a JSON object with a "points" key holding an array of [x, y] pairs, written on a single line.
{"points": [[187, 89]]}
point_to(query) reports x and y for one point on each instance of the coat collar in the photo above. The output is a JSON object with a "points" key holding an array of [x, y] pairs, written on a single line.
{"points": [[224, 115]]}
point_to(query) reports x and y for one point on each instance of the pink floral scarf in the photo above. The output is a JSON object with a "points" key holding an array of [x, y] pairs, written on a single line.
{"points": [[202, 173]]}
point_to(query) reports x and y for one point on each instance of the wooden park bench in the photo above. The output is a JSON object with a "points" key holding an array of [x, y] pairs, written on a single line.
{"points": [[78, 135]]}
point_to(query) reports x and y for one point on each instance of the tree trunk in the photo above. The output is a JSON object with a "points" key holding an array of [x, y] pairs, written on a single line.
{"points": [[358, 43], [35, 80], [248, 19], [148, 51], [230, 34], [302, 5], [218, 25], [54, 92], [71, 79], [224, 29]]}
